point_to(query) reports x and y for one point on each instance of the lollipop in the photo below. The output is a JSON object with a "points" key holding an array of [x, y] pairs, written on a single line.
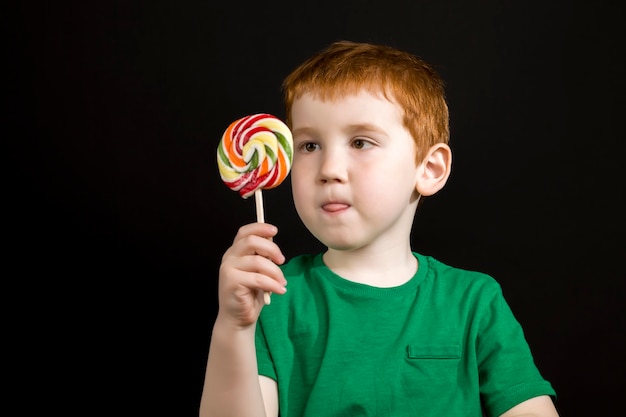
{"points": [[255, 153]]}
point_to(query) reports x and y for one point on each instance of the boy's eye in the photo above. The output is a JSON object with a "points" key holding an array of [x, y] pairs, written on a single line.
{"points": [[359, 143], [308, 146]]}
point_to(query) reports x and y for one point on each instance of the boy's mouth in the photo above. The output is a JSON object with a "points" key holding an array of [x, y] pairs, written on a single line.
{"points": [[334, 207]]}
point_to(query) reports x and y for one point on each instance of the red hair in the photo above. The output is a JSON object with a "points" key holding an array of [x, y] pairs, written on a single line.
{"points": [[345, 68]]}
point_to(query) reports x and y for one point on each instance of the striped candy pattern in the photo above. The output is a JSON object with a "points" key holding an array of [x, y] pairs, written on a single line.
{"points": [[255, 152]]}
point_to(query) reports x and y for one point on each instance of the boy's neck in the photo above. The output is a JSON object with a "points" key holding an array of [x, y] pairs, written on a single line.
{"points": [[384, 269]]}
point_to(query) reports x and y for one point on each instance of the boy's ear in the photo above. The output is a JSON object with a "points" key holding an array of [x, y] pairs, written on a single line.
{"points": [[433, 172]]}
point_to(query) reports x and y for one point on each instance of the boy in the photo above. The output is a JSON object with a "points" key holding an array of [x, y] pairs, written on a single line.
{"points": [[369, 327]]}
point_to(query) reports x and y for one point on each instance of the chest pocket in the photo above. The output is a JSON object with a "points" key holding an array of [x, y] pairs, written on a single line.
{"points": [[431, 368], [415, 352]]}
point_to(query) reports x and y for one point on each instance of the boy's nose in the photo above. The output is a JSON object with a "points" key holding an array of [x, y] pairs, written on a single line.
{"points": [[332, 167]]}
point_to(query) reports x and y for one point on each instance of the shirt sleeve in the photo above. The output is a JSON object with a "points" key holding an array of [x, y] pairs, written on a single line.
{"points": [[507, 371]]}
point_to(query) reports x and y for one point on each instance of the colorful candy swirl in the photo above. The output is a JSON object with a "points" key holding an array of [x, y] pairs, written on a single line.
{"points": [[255, 152]]}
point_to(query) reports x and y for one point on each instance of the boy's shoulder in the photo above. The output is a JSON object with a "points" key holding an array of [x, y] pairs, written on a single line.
{"points": [[459, 278], [448, 270]]}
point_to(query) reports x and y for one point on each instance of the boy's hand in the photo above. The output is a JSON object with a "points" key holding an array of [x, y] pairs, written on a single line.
{"points": [[249, 267]]}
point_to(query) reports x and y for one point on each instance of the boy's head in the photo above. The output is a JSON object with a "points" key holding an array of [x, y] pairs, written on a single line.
{"points": [[345, 68]]}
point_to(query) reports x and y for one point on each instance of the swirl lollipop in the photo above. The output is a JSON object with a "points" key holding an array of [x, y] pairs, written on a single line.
{"points": [[255, 153]]}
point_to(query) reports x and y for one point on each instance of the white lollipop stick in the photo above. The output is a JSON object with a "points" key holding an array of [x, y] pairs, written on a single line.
{"points": [[260, 217]]}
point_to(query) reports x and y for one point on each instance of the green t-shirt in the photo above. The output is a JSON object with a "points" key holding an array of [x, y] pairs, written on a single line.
{"points": [[437, 345]]}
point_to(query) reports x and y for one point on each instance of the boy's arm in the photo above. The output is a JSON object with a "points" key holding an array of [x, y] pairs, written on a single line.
{"points": [[231, 384], [541, 406]]}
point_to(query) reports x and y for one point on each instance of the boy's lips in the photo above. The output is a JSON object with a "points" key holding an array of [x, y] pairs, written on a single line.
{"points": [[334, 206]]}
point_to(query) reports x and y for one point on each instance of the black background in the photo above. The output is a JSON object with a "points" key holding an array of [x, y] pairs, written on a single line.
{"points": [[116, 218]]}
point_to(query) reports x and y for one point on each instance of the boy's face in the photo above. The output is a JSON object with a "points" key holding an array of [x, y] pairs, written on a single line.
{"points": [[354, 173]]}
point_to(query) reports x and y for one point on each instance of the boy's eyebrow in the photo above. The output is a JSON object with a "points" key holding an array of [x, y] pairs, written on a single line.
{"points": [[294, 132], [368, 127]]}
